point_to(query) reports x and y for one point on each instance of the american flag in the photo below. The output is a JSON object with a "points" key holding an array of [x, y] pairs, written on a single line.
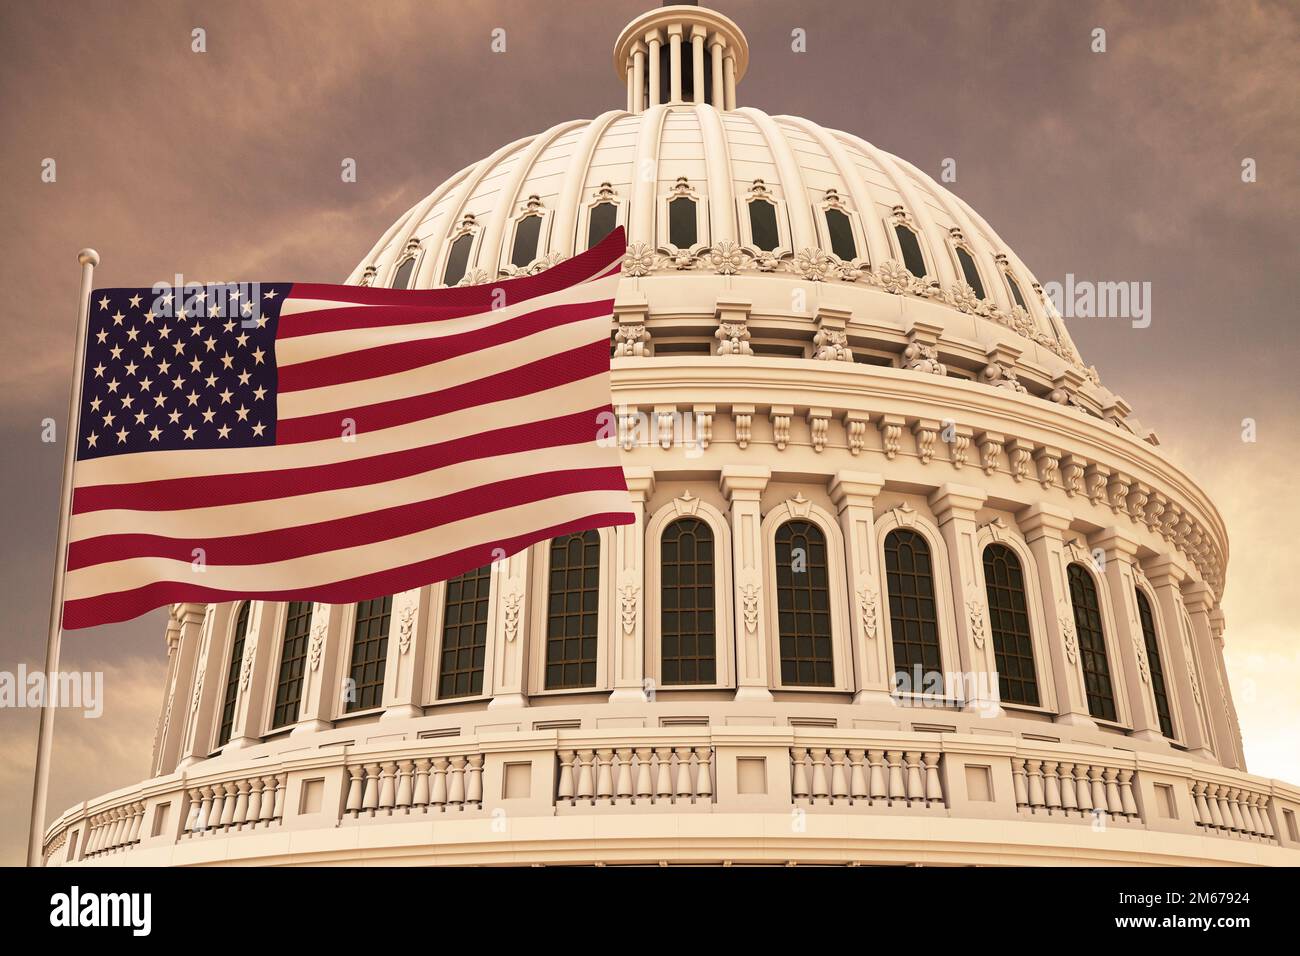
{"points": [[288, 441]]}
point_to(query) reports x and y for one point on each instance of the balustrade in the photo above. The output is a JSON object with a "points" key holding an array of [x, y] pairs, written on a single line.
{"points": [[829, 775], [236, 804], [634, 775], [414, 785], [1073, 788], [1228, 810]]}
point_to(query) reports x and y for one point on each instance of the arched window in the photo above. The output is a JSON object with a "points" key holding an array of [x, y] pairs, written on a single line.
{"points": [[464, 634], [601, 221], [232, 674], [293, 658], [762, 225], [369, 653], [572, 612], [1158, 688], [458, 260], [913, 614], [1092, 643], [969, 270], [682, 222], [803, 606], [527, 231], [840, 229], [1015, 291], [687, 636], [1013, 646], [911, 248], [402, 280]]}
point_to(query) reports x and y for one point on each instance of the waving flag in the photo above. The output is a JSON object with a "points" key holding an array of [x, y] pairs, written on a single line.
{"points": [[283, 441]]}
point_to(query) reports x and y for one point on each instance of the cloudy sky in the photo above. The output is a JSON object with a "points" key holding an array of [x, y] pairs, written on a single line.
{"points": [[1123, 165]]}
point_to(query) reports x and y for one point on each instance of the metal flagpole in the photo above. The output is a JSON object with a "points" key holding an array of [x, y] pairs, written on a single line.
{"points": [[88, 258]]}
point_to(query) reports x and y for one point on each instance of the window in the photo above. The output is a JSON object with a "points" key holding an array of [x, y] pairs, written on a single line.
{"points": [[1092, 643], [232, 675], [803, 606], [971, 273], [686, 619], [527, 231], [402, 279], [369, 653], [293, 657], [464, 634], [762, 225], [1015, 291], [681, 222], [600, 222], [1158, 687], [913, 615], [840, 228], [912, 257], [573, 606], [458, 260], [1013, 646]]}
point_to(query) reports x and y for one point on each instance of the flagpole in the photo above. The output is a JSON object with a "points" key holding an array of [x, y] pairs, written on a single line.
{"points": [[88, 258]]}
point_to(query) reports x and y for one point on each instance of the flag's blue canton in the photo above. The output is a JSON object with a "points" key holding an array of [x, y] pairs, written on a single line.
{"points": [[185, 368]]}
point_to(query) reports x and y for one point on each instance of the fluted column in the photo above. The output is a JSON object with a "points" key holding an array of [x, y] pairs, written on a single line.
{"points": [[262, 649], [698, 93], [408, 645], [653, 43], [1199, 599], [719, 86], [1165, 577], [954, 508], [186, 637], [328, 650], [629, 589], [854, 494], [1044, 526], [194, 707], [1217, 626], [675, 63], [1119, 550], [743, 486]]}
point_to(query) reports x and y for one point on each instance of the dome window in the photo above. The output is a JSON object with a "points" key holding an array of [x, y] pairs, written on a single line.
{"points": [[573, 611], [458, 260], [402, 279], [464, 634], [762, 225], [1013, 645], [528, 231], [681, 222], [971, 273], [1092, 643], [293, 664], [804, 606], [369, 653], [1158, 687], [601, 222], [687, 633], [840, 229], [1015, 291], [911, 249], [232, 675], [913, 613]]}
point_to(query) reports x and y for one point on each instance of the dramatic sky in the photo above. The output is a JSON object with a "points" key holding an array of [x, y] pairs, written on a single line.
{"points": [[1123, 165]]}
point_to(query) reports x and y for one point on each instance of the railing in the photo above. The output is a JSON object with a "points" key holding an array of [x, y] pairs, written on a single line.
{"points": [[872, 777], [1230, 810], [236, 805], [1079, 789], [114, 829], [422, 784], [635, 775]]}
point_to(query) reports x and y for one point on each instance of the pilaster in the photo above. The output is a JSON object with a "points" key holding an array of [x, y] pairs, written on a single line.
{"points": [[629, 586], [854, 494], [1119, 550], [743, 487]]}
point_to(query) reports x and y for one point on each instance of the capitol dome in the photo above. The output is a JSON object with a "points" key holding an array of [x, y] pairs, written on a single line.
{"points": [[907, 582]]}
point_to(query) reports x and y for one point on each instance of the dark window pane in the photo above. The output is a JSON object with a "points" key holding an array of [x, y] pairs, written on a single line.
{"points": [[681, 222], [571, 623], [458, 260], [686, 623], [912, 257], [1013, 647], [402, 280], [370, 653], [970, 272], [527, 232], [232, 675], [762, 225], [1158, 687], [464, 634], [913, 617], [841, 231], [601, 222], [293, 658], [1092, 643], [1015, 291], [803, 582]]}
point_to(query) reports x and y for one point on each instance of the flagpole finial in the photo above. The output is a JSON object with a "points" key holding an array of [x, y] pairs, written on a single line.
{"points": [[88, 256]]}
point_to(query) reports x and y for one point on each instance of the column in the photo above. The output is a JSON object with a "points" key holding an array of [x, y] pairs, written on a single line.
{"points": [[408, 643], [638, 79], [743, 487], [675, 63], [653, 42], [1044, 526], [715, 53], [262, 652], [854, 494], [954, 508], [629, 588], [328, 652], [729, 72], [1217, 626], [698, 94], [1119, 549], [1165, 576], [187, 640], [1199, 600]]}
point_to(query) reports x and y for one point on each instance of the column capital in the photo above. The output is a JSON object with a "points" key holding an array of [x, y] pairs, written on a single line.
{"points": [[855, 488], [951, 500], [640, 482], [1198, 596], [1165, 569], [1044, 519], [1115, 542], [744, 482]]}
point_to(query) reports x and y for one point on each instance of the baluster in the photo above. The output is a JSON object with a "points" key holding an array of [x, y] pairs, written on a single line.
{"points": [[704, 779], [586, 785], [421, 796], [114, 827], [643, 786], [664, 778], [1126, 800], [897, 791], [857, 775], [1036, 784], [228, 811], [685, 781], [1225, 814], [623, 780], [877, 776], [1113, 804], [404, 781], [277, 813], [1212, 805], [798, 757], [456, 782], [1234, 806], [1098, 789], [1051, 785], [1020, 781], [1250, 813], [839, 779], [564, 789], [604, 775], [92, 836], [205, 809], [370, 801], [192, 817], [819, 785], [915, 784], [933, 785], [355, 786], [1264, 816], [1069, 793], [255, 788], [474, 781], [1198, 803], [268, 799], [241, 804], [218, 806], [387, 789], [136, 822], [439, 798]]}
